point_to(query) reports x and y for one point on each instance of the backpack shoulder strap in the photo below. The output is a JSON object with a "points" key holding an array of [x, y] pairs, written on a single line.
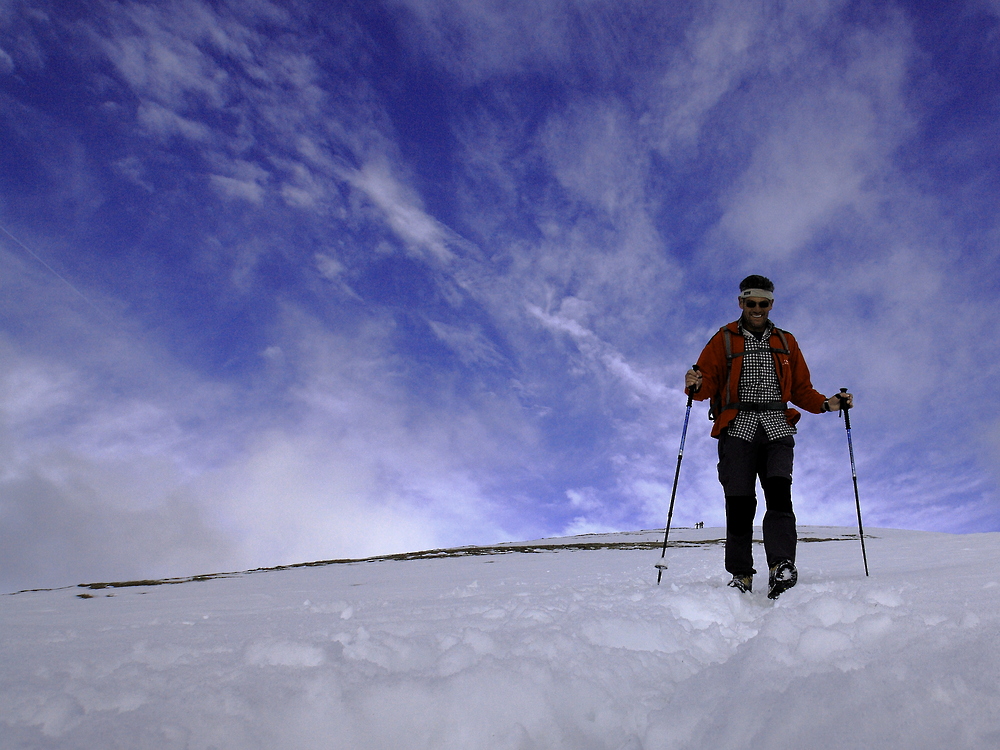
{"points": [[727, 337], [784, 342]]}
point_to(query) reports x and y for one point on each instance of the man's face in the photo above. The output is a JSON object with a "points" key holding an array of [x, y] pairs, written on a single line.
{"points": [[754, 315]]}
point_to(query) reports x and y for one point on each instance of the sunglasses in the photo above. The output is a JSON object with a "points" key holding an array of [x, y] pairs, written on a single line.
{"points": [[764, 304]]}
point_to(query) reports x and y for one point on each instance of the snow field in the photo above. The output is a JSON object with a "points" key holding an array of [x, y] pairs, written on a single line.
{"points": [[571, 649]]}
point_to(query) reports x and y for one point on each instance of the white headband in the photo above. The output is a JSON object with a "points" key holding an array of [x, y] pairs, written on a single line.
{"points": [[764, 294]]}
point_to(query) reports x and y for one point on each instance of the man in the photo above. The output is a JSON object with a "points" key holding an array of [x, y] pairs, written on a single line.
{"points": [[751, 370]]}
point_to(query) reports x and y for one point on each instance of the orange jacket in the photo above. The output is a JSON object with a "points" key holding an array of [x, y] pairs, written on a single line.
{"points": [[793, 376]]}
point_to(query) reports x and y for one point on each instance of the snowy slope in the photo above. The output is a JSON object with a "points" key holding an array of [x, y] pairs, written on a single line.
{"points": [[575, 648]]}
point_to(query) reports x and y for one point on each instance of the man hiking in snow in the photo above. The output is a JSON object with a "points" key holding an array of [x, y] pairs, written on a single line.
{"points": [[751, 370]]}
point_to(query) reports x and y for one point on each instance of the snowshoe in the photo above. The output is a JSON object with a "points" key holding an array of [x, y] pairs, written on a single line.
{"points": [[782, 577], [743, 584]]}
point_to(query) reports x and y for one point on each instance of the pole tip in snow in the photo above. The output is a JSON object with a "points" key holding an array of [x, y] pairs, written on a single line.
{"points": [[660, 567]]}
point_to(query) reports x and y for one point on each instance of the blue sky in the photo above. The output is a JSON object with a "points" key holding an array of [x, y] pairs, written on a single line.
{"points": [[286, 281]]}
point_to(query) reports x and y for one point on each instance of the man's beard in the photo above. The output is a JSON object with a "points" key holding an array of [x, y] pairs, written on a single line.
{"points": [[748, 323]]}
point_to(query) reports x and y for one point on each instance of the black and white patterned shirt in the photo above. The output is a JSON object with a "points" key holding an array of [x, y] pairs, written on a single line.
{"points": [[759, 384]]}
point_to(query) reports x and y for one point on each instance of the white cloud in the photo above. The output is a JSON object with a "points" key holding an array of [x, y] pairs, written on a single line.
{"points": [[167, 123], [584, 499], [603, 356], [825, 152], [469, 344], [231, 189], [156, 51], [403, 211], [6, 62], [134, 170], [32, 387], [717, 54], [273, 353], [301, 497], [69, 518], [798, 181], [329, 267], [242, 180], [478, 39], [302, 188], [594, 155], [143, 468], [93, 487], [582, 525], [211, 76]]}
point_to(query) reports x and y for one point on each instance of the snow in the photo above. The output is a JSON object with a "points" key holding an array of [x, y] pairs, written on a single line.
{"points": [[562, 648]]}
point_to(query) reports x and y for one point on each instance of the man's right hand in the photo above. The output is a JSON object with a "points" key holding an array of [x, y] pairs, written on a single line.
{"points": [[692, 381]]}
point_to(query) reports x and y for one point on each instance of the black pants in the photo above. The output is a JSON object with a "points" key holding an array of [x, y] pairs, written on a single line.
{"points": [[741, 463]]}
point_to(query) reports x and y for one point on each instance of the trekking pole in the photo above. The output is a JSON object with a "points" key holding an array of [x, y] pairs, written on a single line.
{"points": [[845, 413], [661, 566]]}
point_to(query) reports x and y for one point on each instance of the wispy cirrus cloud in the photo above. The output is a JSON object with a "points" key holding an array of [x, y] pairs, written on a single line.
{"points": [[829, 154], [402, 210]]}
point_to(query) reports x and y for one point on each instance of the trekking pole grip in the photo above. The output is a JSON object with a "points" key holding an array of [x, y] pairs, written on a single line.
{"points": [[691, 391], [844, 406]]}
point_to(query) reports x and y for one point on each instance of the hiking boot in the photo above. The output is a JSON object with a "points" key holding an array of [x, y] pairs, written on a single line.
{"points": [[782, 577], [744, 584]]}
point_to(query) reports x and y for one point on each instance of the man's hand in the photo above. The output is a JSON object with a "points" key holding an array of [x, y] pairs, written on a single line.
{"points": [[834, 402], [692, 381]]}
